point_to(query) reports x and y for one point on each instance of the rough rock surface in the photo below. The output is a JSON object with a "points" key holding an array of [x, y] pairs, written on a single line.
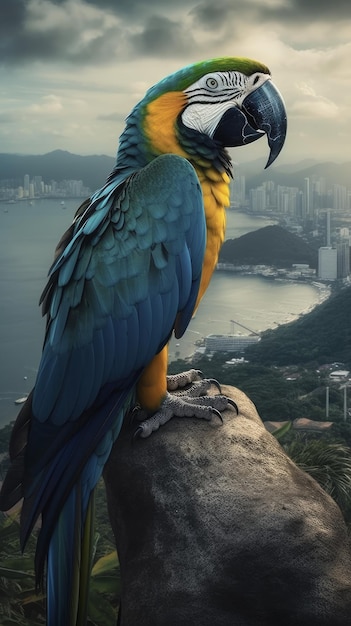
{"points": [[215, 526]]}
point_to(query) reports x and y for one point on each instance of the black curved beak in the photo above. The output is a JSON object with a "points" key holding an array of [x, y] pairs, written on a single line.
{"points": [[262, 113], [265, 110]]}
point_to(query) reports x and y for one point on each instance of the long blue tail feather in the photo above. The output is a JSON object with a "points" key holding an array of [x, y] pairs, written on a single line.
{"points": [[83, 455], [69, 561]]}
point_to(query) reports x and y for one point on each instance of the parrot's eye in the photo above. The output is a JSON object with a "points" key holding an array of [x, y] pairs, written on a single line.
{"points": [[212, 83]]}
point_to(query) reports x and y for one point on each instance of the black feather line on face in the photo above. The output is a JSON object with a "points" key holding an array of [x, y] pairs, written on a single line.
{"points": [[200, 146]]}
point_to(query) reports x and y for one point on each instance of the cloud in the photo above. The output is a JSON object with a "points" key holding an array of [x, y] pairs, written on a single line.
{"points": [[161, 35], [49, 104], [300, 10], [70, 31], [72, 70], [111, 117], [312, 105], [92, 32], [8, 118]]}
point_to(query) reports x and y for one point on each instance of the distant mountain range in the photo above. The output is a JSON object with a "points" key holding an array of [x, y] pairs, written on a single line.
{"points": [[292, 175], [57, 165], [271, 245], [93, 170]]}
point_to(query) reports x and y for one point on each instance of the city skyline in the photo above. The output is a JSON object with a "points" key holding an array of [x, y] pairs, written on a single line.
{"points": [[313, 193], [71, 70]]}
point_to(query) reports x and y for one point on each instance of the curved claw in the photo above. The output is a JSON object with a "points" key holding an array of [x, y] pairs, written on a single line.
{"points": [[199, 373], [215, 382], [133, 413], [137, 434], [233, 404], [217, 413]]}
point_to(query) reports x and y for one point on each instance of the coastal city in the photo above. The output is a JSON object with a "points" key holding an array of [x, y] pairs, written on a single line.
{"points": [[314, 209], [35, 187]]}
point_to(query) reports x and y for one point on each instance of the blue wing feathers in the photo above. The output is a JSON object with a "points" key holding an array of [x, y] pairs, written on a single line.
{"points": [[82, 263], [128, 276], [159, 256]]}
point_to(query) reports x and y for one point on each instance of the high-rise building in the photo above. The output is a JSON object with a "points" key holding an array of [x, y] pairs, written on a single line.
{"points": [[328, 239], [306, 207], [340, 198], [238, 189], [258, 199], [327, 263], [343, 259], [26, 186]]}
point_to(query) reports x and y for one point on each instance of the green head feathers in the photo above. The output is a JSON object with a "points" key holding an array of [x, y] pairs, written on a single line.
{"points": [[184, 77]]}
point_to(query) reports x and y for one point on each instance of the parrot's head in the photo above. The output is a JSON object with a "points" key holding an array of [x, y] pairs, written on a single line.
{"points": [[230, 101]]}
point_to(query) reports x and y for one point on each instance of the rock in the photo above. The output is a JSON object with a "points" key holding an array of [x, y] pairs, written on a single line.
{"points": [[216, 526]]}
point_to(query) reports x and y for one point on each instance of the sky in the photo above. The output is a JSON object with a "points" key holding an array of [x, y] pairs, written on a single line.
{"points": [[71, 70]]}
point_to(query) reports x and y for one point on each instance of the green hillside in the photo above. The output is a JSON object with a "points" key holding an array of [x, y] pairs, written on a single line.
{"points": [[323, 336], [271, 245]]}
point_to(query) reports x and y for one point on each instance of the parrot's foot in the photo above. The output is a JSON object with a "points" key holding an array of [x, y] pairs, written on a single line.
{"points": [[179, 381], [192, 402]]}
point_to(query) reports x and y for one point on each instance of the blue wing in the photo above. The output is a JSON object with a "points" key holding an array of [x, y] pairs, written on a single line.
{"points": [[127, 276]]}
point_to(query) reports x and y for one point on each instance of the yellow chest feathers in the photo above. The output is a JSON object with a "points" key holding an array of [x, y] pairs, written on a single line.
{"points": [[159, 126], [160, 129]]}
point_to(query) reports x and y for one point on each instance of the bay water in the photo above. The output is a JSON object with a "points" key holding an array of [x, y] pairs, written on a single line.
{"points": [[29, 233]]}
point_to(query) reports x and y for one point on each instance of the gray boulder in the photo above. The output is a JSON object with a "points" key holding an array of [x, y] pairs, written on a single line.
{"points": [[216, 526]]}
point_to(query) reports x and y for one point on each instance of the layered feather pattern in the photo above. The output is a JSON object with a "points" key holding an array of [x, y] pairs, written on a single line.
{"points": [[128, 273]]}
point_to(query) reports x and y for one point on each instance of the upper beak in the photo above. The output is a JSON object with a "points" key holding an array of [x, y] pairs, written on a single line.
{"points": [[265, 110], [261, 112]]}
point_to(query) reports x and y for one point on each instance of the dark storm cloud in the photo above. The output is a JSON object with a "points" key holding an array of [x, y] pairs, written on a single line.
{"points": [[137, 8], [210, 14], [162, 36], [99, 31], [24, 39], [317, 9]]}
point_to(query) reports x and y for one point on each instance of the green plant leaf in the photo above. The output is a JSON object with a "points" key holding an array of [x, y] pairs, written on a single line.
{"points": [[105, 564], [106, 584], [100, 610], [280, 432]]}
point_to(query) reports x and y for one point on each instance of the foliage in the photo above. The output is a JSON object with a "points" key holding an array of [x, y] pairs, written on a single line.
{"points": [[271, 245], [19, 602], [329, 464], [278, 393], [104, 586], [282, 431], [323, 336]]}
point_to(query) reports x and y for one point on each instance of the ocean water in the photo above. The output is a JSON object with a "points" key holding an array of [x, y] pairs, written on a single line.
{"points": [[28, 236]]}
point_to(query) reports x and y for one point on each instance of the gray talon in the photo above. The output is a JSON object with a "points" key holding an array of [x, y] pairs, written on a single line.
{"points": [[233, 404], [215, 382], [137, 434], [218, 414]]}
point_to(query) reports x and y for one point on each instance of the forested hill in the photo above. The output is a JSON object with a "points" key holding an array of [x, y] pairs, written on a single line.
{"points": [[271, 245], [323, 335]]}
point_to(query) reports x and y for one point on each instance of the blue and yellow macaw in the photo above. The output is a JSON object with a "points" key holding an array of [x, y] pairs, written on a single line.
{"points": [[129, 272]]}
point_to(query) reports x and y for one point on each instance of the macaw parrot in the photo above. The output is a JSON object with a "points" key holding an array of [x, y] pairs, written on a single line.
{"points": [[130, 271]]}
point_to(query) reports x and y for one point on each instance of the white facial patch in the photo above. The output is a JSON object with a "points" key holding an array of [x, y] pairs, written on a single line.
{"points": [[213, 94], [205, 118]]}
